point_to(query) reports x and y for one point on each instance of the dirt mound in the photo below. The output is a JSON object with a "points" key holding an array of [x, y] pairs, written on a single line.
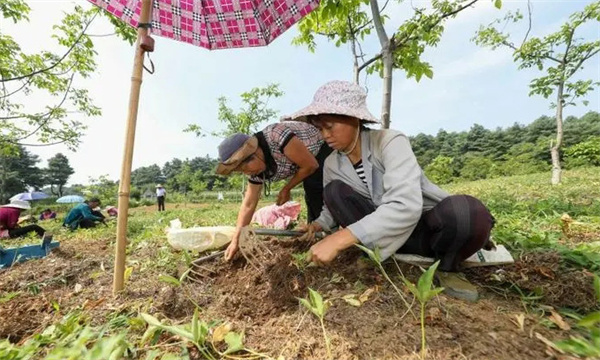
{"points": [[540, 275], [265, 304]]}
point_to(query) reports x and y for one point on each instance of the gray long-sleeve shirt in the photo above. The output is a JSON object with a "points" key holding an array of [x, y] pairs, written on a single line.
{"points": [[395, 183]]}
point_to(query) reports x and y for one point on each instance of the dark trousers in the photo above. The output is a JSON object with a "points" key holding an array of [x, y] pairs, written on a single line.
{"points": [[161, 203], [313, 186], [453, 230], [87, 223], [14, 233]]}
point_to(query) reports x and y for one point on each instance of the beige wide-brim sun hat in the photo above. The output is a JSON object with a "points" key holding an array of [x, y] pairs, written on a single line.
{"points": [[234, 161], [18, 204], [337, 98]]}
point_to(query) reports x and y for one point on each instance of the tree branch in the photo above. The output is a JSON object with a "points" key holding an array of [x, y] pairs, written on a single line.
{"points": [[16, 91], [369, 62], [381, 34], [49, 144], [581, 61], [408, 37], [61, 59], [529, 28], [569, 42], [48, 117]]}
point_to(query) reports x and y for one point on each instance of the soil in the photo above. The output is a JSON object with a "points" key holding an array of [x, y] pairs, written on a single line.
{"points": [[264, 303]]}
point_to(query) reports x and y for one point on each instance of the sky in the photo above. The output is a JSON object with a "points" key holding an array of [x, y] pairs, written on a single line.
{"points": [[470, 84]]}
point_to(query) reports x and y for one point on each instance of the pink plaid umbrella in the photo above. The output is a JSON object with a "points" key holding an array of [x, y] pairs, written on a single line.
{"points": [[215, 24], [212, 24]]}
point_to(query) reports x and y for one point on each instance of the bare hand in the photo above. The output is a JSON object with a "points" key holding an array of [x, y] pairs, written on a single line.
{"points": [[323, 252], [326, 250], [231, 250], [309, 230], [283, 196]]}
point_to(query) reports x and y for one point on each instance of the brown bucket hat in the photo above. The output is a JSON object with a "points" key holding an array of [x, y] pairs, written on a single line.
{"points": [[234, 150]]}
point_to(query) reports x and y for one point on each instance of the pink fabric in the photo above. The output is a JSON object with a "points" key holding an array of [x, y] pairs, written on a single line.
{"points": [[277, 217], [215, 24]]}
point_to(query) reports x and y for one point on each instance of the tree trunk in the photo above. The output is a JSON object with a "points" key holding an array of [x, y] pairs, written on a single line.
{"points": [[60, 193], [555, 149], [355, 64], [388, 63], [386, 102]]}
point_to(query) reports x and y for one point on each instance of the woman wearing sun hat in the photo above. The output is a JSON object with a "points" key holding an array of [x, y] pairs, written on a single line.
{"points": [[291, 150], [376, 192], [9, 218]]}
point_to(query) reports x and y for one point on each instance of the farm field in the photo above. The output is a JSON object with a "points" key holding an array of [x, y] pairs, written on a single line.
{"points": [[61, 307]]}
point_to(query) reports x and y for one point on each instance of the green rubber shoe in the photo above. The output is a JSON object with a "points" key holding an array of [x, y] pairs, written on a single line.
{"points": [[457, 286]]}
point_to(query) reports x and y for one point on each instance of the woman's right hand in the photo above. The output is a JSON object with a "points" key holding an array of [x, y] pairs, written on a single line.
{"points": [[233, 247]]}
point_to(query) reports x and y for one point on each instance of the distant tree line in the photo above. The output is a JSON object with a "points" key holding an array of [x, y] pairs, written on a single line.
{"points": [[481, 153]]}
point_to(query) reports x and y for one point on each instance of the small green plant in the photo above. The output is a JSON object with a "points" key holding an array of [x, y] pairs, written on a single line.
{"points": [[318, 307], [588, 346], [301, 260], [375, 256], [198, 333], [423, 292]]}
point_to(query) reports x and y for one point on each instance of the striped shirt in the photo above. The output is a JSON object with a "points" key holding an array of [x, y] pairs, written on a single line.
{"points": [[360, 171], [274, 138]]}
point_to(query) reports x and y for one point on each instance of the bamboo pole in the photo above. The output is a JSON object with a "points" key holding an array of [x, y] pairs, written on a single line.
{"points": [[124, 184]]}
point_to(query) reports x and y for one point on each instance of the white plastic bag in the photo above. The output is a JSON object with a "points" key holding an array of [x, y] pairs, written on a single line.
{"points": [[198, 238]]}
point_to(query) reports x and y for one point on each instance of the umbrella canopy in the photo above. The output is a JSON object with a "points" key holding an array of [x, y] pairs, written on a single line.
{"points": [[215, 24], [30, 196], [70, 199]]}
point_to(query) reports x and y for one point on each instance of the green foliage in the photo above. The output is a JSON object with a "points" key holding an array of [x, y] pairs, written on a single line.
{"points": [[440, 170], [255, 111], [476, 167], [58, 173], [350, 21], [103, 188], [147, 176], [18, 171], [586, 153], [52, 75], [339, 21], [72, 339], [516, 150]]}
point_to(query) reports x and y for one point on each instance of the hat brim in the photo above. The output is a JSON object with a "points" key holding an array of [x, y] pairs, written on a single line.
{"points": [[228, 166], [322, 109], [17, 206]]}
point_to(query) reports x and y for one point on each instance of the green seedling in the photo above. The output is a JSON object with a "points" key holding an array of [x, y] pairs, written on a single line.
{"points": [[375, 256], [424, 292], [301, 260], [318, 307], [198, 333]]}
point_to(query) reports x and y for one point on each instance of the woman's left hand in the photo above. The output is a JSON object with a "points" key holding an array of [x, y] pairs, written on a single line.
{"points": [[323, 252], [283, 196]]}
